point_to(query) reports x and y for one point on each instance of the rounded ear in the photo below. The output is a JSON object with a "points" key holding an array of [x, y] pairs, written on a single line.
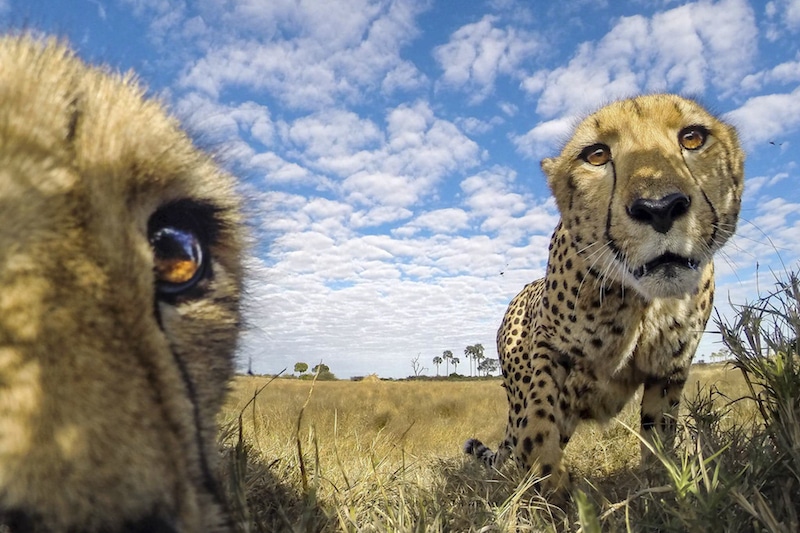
{"points": [[548, 166]]}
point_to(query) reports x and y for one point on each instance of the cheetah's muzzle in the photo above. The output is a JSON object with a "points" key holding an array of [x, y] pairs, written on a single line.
{"points": [[668, 264]]}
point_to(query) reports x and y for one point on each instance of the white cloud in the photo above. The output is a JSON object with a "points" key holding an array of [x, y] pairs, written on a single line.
{"points": [[220, 121], [767, 118], [403, 77], [479, 52], [395, 164], [439, 221], [380, 215], [505, 213], [766, 237], [279, 171], [787, 12], [544, 138], [685, 49], [756, 184], [476, 126], [330, 135], [788, 72], [308, 55]]}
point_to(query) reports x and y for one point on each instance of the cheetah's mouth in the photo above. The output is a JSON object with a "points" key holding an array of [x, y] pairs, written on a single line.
{"points": [[668, 261]]}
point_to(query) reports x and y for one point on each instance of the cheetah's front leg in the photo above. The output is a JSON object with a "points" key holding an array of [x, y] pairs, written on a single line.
{"points": [[541, 430], [660, 402]]}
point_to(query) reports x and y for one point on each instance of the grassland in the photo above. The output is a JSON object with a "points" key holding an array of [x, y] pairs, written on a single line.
{"points": [[374, 450], [386, 456]]}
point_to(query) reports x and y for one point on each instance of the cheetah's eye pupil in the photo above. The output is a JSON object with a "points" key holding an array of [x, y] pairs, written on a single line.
{"points": [[692, 137], [177, 258], [596, 154]]}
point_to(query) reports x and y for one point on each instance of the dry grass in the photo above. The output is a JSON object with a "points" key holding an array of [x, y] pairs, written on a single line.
{"points": [[370, 446]]}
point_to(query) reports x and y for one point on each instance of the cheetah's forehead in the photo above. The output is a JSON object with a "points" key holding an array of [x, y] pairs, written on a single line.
{"points": [[636, 117], [100, 126]]}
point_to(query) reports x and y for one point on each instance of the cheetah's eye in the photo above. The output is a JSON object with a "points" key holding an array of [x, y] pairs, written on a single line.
{"points": [[180, 235], [692, 137], [177, 258], [597, 154]]}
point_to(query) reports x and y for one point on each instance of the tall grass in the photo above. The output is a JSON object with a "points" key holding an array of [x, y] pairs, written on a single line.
{"points": [[386, 456]]}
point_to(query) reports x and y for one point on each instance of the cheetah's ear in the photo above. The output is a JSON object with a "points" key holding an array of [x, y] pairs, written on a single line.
{"points": [[547, 165]]}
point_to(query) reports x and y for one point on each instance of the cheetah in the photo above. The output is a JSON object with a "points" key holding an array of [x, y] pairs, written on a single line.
{"points": [[120, 277], [648, 189]]}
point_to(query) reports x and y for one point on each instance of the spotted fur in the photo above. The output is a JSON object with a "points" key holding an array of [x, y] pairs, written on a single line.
{"points": [[648, 190]]}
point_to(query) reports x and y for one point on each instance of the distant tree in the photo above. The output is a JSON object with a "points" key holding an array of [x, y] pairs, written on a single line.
{"points": [[488, 365], [300, 367], [417, 366], [447, 355], [474, 354], [437, 360], [478, 350], [320, 372], [455, 361], [722, 355], [320, 368]]}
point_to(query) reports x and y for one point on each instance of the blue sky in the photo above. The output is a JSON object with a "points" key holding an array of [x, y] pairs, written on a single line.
{"points": [[389, 150]]}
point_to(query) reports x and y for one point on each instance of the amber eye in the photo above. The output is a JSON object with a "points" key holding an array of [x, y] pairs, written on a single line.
{"points": [[596, 154], [693, 137], [177, 258]]}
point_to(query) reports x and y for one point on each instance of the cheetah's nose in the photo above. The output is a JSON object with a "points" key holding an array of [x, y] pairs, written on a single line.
{"points": [[660, 213]]}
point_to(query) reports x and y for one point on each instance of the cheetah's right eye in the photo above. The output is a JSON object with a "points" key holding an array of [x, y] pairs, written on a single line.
{"points": [[597, 154], [693, 137], [178, 259], [180, 235]]}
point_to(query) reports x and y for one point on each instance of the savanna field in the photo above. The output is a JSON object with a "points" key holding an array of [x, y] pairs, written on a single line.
{"points": [[377, 455]]}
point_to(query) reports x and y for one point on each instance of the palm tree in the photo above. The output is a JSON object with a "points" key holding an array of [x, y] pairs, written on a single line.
{"points": [[474, 353], [478, 355], [455, 364], [437, 360], [468, 355], [447, 355]]}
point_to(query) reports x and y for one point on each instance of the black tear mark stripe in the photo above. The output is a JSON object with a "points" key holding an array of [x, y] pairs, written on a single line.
{"points": [[76, 113], [209, 480], [715, 222], [610, 240]]}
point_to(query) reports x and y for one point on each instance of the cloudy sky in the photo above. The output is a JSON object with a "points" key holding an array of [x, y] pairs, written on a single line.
{"points": [[389, 150]]}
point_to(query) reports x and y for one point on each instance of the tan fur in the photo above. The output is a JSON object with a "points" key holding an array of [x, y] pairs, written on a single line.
{"points": [[577, 344], [108, 391]]}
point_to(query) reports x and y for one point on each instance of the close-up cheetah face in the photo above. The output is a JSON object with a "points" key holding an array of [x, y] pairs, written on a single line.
{"points": [[649, 188], [120, 276]]}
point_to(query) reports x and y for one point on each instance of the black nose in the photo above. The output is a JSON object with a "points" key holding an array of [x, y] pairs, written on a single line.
{"points": [[660, 213]]}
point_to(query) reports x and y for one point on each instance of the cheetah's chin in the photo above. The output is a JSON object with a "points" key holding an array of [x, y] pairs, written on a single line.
{"points": [[668, 262]]}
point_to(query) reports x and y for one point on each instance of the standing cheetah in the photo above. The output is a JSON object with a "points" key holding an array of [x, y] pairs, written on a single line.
{"points": [[648, 190]]}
